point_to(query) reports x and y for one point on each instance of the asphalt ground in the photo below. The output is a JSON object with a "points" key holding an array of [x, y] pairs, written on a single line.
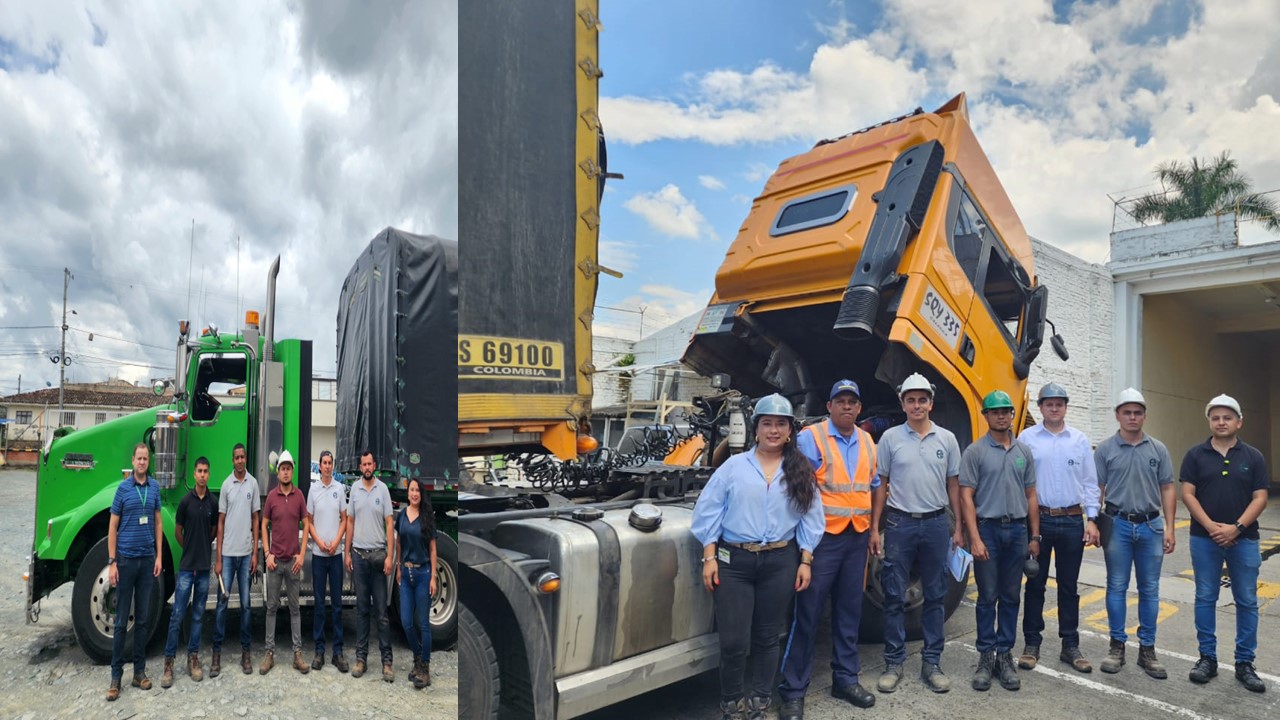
{"points": [[1053, 689]]}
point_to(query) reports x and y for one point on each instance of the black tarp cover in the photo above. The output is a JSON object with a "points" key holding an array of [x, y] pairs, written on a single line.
{"points": [[397, 357]]}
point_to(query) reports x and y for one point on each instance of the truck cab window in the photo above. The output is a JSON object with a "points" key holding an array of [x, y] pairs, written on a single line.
{"points": [[967, 236], [220, 382]]}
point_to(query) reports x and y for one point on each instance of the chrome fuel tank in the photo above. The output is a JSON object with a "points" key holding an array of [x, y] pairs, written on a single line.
{"points": [[624, 589]]}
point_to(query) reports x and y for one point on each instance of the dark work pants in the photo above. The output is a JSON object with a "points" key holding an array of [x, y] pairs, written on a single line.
{"points": [[999, 579], [327, 572], [1063, 536], [132, 589], [371, 600], [922, 545], [839, 567], [751, 610]]}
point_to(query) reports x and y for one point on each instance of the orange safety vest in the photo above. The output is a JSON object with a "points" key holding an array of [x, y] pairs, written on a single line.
{"points": [[844, 501]]}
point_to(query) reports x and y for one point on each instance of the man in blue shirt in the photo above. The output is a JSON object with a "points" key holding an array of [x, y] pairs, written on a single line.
{"points": [[133, 536]]}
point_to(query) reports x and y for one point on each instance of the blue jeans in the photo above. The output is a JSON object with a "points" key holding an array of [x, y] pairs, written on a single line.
{"points": [[188, 580], [327, 571], [920, 545], [1243, 560], [371, 599], [133, 589], [233, 568], [1063, 538], [415, 607], [839, 566], [999, 580], [1140, 545]]}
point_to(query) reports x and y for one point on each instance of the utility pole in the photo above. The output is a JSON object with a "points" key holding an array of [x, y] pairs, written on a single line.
{"points": [[62, 355]]}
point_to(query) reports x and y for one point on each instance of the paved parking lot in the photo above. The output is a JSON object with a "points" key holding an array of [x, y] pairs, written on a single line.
{"points": [[1054, 689]]}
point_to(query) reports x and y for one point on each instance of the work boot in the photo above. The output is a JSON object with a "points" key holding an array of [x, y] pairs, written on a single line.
{"points": [[982, 676], [890, 678], [933, 678], [246, 663], [340, 663], [1073, 657], [113, 692], [1030, 656], [1206, 668], [166, 677], [318, 661], [268, 662], [141, 681], [855, 694], [1115, 657], [1007, 671], [193, 667], [729, 710], [792, 709], [1147, 661], [758, 707], [215, 665], [358, 670], [299, 664], [388, 673], [423, 678], [413, 669], [1249, 677]]}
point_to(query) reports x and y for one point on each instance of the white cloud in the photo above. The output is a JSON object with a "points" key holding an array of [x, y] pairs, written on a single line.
{"points": [[669, 212], [618, 255], [710, 182]]}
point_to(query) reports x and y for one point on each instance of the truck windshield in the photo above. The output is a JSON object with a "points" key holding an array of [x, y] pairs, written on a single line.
{"points": [[220, 379]]}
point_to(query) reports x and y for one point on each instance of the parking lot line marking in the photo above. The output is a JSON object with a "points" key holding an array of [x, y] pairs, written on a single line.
{"points": [[1174, 654], [1115, 691], [1098, 620]]}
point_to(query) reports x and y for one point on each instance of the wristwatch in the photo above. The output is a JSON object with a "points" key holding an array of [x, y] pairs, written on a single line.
{"points": [[1240, 527], [1037, 538], [111, 561]]}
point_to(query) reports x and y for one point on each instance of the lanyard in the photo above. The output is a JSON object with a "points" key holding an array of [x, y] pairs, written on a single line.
{"points": [[142, 496]]}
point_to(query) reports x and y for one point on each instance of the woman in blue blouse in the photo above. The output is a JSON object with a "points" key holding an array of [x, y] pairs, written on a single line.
{"points": [[416, 537], [758, 519]]}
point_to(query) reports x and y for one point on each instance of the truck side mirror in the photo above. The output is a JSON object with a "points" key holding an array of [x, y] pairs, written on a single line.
{"points": [[1032, 331]]}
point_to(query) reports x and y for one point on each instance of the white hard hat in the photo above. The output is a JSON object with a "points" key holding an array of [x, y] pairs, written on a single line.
{"points": [[1129, 395], [285, 457], [915, 381], [1225, 401]]}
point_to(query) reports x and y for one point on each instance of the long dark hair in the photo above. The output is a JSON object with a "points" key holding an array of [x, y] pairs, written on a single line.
{"points": [[802, 484], [425, 513]]}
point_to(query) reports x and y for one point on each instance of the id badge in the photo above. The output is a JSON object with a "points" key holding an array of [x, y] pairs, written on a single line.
{"points": [[143, 520], [722, 555]]}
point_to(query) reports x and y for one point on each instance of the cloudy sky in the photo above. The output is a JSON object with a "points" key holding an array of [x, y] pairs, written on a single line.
{"points": [[300, 128], [1073, 101]]}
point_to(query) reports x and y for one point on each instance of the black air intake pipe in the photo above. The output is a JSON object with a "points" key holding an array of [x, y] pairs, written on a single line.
{"points": [[902, 206]]}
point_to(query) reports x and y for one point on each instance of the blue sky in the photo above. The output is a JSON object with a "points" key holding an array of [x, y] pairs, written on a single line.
{"points": [[1072, 102]]}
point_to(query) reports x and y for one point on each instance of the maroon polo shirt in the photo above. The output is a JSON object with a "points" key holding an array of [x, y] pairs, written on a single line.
{"points": [[284, 513]]}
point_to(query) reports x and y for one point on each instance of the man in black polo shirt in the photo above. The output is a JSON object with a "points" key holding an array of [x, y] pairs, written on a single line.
{"points": [[195, 524], [1224, 486]]}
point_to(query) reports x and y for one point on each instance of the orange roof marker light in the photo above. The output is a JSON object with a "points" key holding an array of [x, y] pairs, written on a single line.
{"points": [[251, 318]]}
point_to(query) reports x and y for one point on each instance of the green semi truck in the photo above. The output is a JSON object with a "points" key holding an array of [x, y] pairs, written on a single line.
{"points": [[78, 470]]}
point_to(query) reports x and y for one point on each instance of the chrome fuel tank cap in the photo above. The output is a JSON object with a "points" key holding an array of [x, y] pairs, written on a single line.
{"points": [[645, 517]]}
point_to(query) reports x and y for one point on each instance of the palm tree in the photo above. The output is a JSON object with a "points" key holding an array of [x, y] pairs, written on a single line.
{"points": [[1204, 188]]}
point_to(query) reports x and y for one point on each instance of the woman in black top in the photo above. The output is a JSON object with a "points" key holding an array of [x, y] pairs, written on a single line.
{"points": [[416, 537]]}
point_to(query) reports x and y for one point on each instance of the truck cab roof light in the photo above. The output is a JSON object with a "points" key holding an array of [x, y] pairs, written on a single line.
{"points": [[184, 327], [251, 318]]}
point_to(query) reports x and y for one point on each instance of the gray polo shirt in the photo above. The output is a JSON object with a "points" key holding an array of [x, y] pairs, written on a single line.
{"points": [[999, 477], [325, 505], [1131, 475], [369, 510], [916, 468], [238, 500]]}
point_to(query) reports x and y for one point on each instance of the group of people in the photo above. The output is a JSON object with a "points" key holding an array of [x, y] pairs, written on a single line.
{"points": [[798, 515], [354, 530]]}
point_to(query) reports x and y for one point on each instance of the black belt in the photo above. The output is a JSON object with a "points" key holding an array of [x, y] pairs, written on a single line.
{"points": [[1004, 520], [918, 516], [758, 547], [1070, 510], [1114, 512]]}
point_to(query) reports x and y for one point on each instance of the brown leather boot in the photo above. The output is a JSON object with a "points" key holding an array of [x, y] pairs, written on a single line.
{"points": [[1115, 657], [215, 665], [423, 678], [388, 673], [358, 669], [268, 662], [413, 669], [299, 664], [141, 681], [1147, 661], [166, 677], [340, 662], [246, 663], [113, 692], [193, 667]]}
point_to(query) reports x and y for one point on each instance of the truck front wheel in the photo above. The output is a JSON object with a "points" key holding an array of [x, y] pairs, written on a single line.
{"points": [[93, 607], [478, 697], [444, 606]]}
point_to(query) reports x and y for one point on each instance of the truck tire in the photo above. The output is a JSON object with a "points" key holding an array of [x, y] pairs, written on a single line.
{"points": [[444, 606], [478, 698], [93, 605], [871, 628]]}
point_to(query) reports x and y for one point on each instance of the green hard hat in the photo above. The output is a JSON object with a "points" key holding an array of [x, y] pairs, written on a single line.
{"points": [[997, 400]]}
